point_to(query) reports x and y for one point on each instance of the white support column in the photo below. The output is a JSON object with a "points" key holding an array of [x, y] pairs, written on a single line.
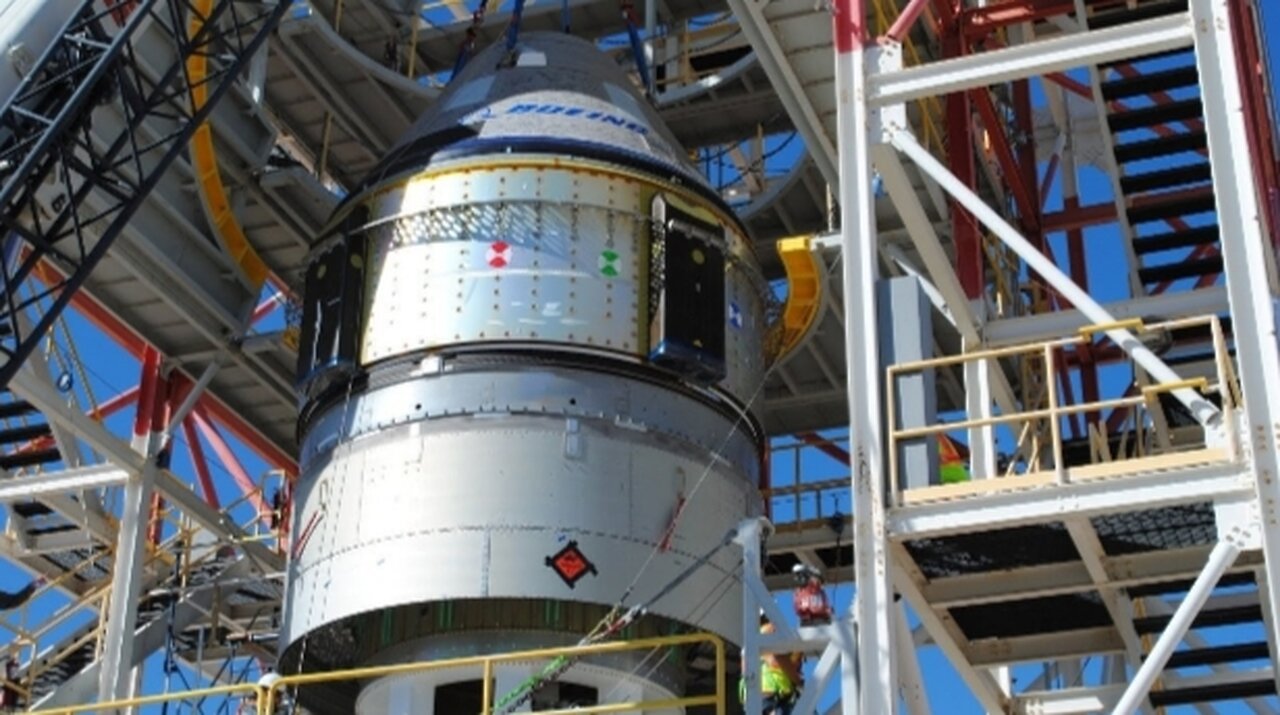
{"points": [[978, 405], [816, 685], [913, 692], [126, 585], [1245, 263], [1220, 559], [1202, 409], [873, 604], [749, 539]]}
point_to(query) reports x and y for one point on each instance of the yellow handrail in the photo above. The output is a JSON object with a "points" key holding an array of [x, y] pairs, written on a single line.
{"points": [[486, 663], [241, 690], [1052, 413]]}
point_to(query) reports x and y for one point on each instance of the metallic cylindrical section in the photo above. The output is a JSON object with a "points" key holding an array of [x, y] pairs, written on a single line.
{"points": [[531, 348]]}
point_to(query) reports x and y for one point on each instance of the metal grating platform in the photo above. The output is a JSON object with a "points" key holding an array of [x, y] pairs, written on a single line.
{"points": [[1036, 616]]}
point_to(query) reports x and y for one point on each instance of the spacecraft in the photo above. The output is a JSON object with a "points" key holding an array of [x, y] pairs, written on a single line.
{"points": [[531, 343]]}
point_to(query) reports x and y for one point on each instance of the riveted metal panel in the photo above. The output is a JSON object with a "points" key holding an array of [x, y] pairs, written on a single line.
{"points": [[499, 269], [453, 390], [472, 507], [531, 253]]}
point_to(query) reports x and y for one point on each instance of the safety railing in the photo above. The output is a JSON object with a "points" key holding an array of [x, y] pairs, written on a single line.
{"points": [[263, 699], [691, 43], [250, 695], [795, 499], [1032, 438], [484, 665], [49, 646]]}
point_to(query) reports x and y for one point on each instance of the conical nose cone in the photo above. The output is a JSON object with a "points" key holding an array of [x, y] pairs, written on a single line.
{"points": [[551, 93]]}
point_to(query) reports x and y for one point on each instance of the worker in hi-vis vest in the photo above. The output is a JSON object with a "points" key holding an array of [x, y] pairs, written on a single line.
{"points": [[780, 679], [953, 461]]}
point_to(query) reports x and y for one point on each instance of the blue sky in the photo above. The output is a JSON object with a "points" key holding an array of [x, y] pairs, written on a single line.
{"points": [[110, 370]]}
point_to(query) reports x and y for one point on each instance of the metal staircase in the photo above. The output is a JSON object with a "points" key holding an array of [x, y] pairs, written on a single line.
{"points": [[1155, 116], [26, 439], [1238, 660], [66, 672]]}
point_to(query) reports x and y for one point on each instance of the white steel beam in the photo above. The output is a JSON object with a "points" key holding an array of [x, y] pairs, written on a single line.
{"points": [[915, 219], [1064, 323], [777, 66], [1004, 510], [50, 403], [936, 261], [873, 600], [816, 685], [913, 690], [1072, 577], [983, 687], [1118, 605], [126, 581], [1202, 409], [1031, 59], [1071, 701], [45, 484], [1081, 643], [1245, 262], [1220, 560], [1157, 607], [748, 538]]}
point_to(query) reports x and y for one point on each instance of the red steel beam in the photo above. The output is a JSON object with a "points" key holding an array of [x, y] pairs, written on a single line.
{"points": [[1070, 219], [979, 22], [1258, 113], [129, 339], [824, 445], [902, 26], [229, 460], [195, 451], [960, 158], [1028, 206]]}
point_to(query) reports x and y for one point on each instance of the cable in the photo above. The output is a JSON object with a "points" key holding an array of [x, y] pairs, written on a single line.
{"points": [[699, 610], [469, 41], [637, 46], [608, 626], [513, 29], [332, 530]]}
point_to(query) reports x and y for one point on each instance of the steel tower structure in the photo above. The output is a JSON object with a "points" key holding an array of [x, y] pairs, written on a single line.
{"points": [[1106, 357]]}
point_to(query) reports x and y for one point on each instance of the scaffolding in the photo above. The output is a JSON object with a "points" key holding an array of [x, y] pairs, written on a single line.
{"points": [[1101, 522]]}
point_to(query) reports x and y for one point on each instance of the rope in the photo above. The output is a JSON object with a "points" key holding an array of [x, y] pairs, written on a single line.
{"points": [[699, 610], [608, 626]]}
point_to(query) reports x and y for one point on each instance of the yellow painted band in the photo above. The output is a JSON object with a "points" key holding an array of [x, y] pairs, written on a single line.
{"points": [[488, 164], [804, 292], [204, 160]]}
